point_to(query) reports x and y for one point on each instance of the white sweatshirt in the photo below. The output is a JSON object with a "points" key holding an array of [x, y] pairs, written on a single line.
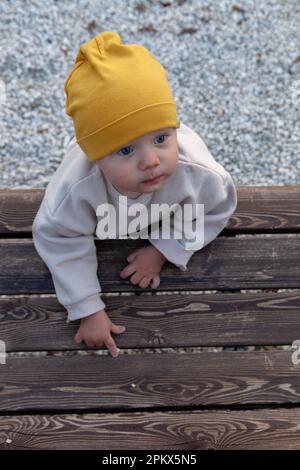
{"points": [[66, 223]]}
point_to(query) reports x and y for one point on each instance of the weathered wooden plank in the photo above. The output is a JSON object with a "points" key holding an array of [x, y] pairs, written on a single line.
{"points": [[259, 208], [177, 320], [18, 208], [225, 263], [260, 429], [264, 208], [137, 381]]}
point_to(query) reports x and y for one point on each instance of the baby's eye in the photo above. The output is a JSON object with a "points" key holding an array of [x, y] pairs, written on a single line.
{"points": [[162, 135], [124, 148]]}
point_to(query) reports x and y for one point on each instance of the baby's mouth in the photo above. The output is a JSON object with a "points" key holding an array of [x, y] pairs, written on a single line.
{"points": [[154, 180]]}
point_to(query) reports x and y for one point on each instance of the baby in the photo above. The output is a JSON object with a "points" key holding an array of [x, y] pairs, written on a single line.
{"points": [[130, 150]]}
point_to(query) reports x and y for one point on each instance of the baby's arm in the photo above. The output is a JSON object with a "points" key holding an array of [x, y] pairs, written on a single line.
{"points": [[218, 199], [70, 257], [69, 252]]}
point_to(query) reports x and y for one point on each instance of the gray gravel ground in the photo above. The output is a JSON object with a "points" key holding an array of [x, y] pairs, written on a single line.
{"points": [[233, 65]]}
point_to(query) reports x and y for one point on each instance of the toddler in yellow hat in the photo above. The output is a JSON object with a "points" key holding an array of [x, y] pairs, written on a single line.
{"points": [[128, 145]]}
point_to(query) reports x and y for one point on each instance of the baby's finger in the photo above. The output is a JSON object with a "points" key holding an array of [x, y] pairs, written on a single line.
{"points": [[111, 346], [155, 282], [145, 282], [136, 278], [117, 328], [127, 271], [78, 338]]}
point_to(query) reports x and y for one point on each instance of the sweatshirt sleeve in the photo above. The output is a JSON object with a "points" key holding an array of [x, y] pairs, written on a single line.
{"points": [[212, 204], [65, 241]]}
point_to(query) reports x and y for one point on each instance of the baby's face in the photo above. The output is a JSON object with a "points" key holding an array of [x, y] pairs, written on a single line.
{"points": [[151, 155]]}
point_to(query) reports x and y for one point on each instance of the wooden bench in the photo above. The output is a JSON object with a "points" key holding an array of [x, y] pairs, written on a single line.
{"points": [[200, 397]]}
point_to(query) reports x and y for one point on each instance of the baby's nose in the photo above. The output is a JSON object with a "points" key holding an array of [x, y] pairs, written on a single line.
{"points": [[150, 162]]}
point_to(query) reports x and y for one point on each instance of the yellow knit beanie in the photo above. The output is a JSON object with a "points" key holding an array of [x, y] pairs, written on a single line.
{"points": [[115, 94]]}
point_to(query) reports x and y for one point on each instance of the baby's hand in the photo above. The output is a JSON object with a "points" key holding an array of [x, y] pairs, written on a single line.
{"points": [[95, 330], [146, 263]]}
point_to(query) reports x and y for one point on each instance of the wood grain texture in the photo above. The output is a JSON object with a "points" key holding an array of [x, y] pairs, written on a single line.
{"points": [[178, 320], [18, 208], [226, 263], [259, 208], [194, 430], [267, 209], [148, 380], [149, 400]]}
